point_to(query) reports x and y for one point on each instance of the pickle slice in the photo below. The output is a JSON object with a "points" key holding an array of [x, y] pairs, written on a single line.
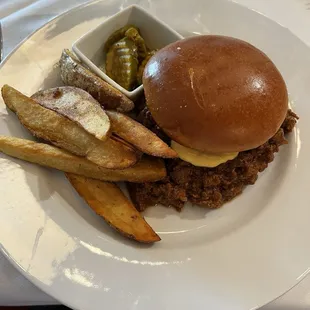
{"points": [[142, 66], [116, 36], [122, 63], [133, 34]]}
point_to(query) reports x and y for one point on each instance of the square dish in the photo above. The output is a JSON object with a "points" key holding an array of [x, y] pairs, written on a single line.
{"points": [[89, 48]]}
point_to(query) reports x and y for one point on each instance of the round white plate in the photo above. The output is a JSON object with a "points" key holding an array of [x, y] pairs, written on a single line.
{"points": [[238, 257]]}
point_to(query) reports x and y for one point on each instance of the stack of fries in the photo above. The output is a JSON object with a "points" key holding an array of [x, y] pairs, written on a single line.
{"points": [[89, 138]]}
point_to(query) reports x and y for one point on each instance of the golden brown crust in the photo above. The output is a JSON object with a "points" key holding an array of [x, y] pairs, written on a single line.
{"points": [[109, 202], [148, 169], [215, 94], [139, 136], [59, 130]]}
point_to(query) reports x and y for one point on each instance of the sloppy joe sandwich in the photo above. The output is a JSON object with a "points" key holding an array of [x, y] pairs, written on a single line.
{"points": [[223, 106]]}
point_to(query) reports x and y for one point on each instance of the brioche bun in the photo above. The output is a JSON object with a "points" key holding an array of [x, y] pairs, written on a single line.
{"points": [[215, 94]]}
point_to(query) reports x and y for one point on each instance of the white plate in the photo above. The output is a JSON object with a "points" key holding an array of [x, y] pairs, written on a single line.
{"points": [[238, 257]]}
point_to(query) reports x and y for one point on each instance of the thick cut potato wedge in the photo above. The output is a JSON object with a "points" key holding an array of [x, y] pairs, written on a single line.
{"points": [[146, 170], [77, 105], [108, 201], [74, 74], [59, 130], [139, 136]]}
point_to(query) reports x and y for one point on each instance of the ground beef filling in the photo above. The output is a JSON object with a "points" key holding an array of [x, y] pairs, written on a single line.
{"points": [[207, 187]]}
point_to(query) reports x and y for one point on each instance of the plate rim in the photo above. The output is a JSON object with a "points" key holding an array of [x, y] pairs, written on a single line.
{"points": [[27, 275]]}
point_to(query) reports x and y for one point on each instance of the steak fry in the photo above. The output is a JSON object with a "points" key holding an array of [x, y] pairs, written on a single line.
{"points": [[139, 136], [109, 202], [74, 74], [146, 170], [77, 105], [59, 130]]}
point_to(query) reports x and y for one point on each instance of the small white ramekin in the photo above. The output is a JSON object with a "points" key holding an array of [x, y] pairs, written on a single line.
{"points": [[90, 47]]}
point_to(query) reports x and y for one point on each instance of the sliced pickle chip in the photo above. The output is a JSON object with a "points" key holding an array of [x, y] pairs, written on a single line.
{"points": [[116, 36], [122, 63], [133, 34], [126, 57], [143, 64]]}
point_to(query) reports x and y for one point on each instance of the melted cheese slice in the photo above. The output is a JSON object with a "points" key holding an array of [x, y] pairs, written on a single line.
{"points": [[201, 159]]}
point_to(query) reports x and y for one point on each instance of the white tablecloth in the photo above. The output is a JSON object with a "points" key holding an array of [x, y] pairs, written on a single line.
{"points": [[21, 17]]}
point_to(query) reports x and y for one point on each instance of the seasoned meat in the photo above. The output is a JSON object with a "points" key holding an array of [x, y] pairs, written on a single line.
{"points": [[146, 119], [290, 121], [208, 187]]}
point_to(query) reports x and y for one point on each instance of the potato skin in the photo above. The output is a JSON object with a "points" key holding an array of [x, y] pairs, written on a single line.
{"points": [[148, 169], [62, 132], [74, 74], [109, 202]]}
